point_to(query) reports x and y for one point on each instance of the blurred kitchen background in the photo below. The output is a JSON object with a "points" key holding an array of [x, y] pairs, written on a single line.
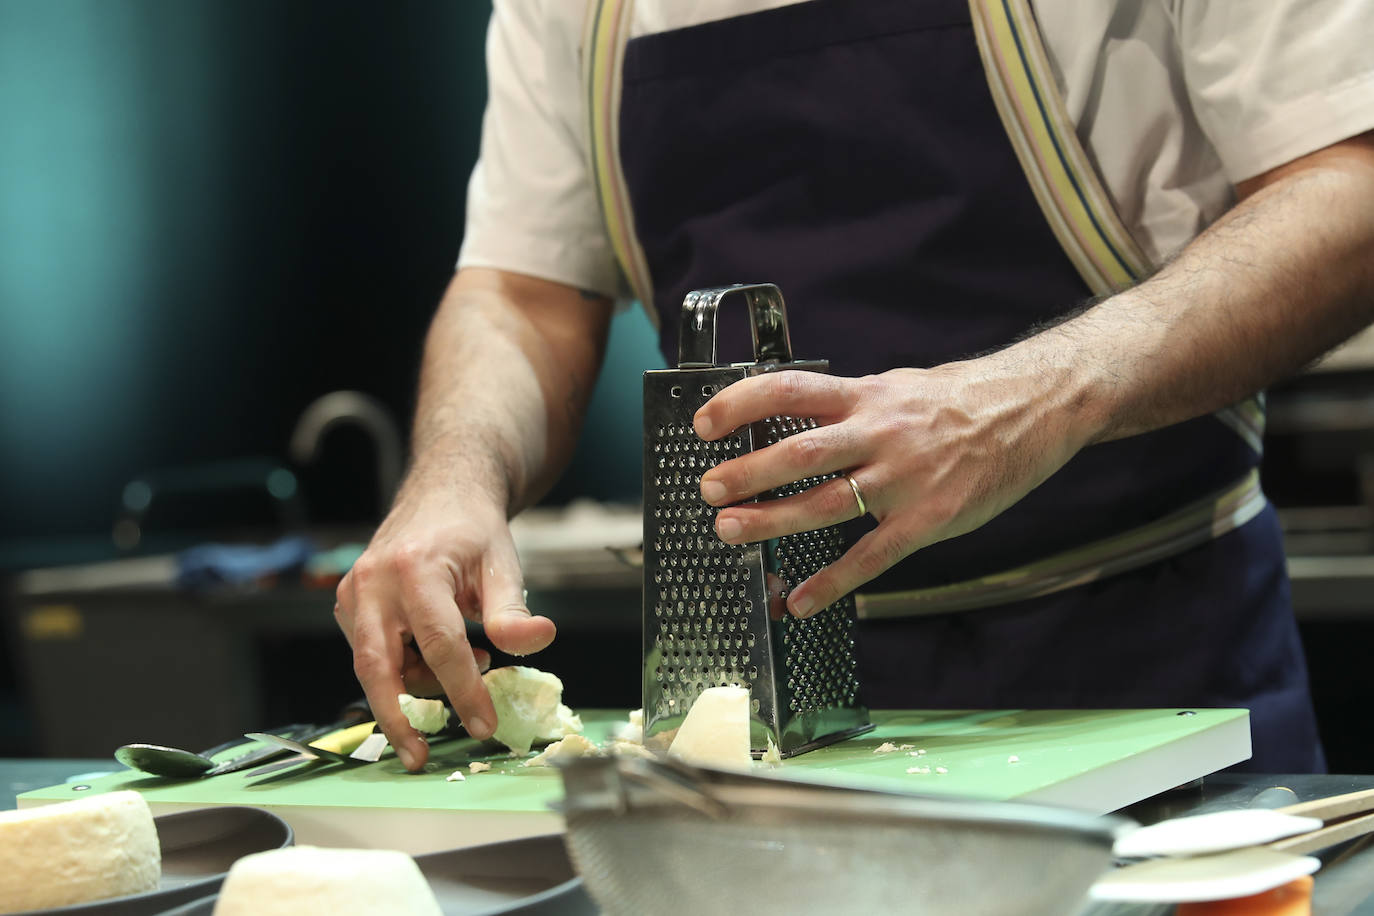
{"points": [[223, 229]]}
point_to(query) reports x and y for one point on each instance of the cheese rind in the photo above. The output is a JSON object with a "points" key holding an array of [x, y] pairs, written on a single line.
{"points": [[340, 882], [88, 849], [716, 730], [529, 707]]}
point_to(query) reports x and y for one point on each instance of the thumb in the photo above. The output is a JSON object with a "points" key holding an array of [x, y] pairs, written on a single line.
{"points": [[508, 622]]}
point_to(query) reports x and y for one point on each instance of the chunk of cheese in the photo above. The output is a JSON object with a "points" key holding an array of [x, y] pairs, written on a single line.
{"points": [[88, 849], [619, 748], [427, 716], [340, 882], [772, 756], [631, 730], [529, 707], [716, 730], [566, 749]]}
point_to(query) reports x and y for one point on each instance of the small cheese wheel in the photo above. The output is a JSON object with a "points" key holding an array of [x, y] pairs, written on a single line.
{"points": [[340, 882], [93, 848]]}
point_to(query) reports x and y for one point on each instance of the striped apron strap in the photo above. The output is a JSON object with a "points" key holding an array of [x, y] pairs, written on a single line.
{"points": [[1046, 141], [1059, 172], [1184, 529], [604, 35]]}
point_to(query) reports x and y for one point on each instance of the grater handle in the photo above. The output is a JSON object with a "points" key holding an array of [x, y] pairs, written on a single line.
{"points": [[696, 347]]}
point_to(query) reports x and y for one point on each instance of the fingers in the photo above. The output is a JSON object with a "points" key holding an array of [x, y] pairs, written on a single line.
{"points": [[872, 555], [805, 454], [377, 653], [442, 640], [788, 394], [507, 621], [420, 680], [828, 503]]}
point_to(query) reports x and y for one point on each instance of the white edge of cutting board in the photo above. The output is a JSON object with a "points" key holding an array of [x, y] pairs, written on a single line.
{"points": [[1140, 776]]}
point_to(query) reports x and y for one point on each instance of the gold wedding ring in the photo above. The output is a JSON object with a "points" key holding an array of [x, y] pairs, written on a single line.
{"points": [[858, 496]]}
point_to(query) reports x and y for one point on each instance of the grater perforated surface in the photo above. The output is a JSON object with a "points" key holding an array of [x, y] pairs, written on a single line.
{"points": [[818, 652], [703, 602]]}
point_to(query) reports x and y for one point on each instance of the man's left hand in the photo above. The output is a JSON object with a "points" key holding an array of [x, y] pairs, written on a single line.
{"points": [[935, 453]]}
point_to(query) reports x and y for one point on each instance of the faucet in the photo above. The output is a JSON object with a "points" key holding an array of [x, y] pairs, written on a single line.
{"points": [[364, 411]]}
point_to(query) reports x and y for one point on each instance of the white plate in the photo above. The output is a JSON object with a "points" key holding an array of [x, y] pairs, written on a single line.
{"points": [[1214, 832], [1221, 876]]}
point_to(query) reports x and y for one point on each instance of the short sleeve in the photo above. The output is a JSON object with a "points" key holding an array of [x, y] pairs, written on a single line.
{"points": [[1273, 80], [531, 205]]}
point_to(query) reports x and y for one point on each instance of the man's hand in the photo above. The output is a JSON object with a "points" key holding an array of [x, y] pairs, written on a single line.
{"points": [[508, 369], [935, 453], [441, 557]]}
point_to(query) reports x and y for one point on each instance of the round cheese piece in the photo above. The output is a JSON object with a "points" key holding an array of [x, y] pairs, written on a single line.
{"points": [[92, 848], [340, 882]]}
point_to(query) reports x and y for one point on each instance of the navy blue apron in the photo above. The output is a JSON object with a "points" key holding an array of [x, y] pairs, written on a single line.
{"points": [[849, 151]]}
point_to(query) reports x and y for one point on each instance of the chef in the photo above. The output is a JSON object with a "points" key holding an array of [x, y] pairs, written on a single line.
{"points": [[1053, 252]]}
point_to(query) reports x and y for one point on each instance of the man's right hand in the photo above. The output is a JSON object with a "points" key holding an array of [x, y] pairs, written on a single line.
{"points": [[439, 559]]}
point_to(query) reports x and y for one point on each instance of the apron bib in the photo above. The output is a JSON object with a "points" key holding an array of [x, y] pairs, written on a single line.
{"points": [[850, 152]]}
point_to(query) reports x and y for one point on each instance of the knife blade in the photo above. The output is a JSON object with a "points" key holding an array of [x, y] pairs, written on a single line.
{"points": [[354, 713]]}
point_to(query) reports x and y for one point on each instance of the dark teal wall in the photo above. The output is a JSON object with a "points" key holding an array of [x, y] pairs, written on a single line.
{"points": [[212, 211]]}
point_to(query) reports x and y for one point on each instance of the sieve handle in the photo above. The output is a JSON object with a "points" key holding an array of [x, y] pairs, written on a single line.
{"points": [[696, 348]]}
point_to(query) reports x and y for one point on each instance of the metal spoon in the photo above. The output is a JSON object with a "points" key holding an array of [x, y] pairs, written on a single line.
{"points": [[171, 761], [174, 762]]}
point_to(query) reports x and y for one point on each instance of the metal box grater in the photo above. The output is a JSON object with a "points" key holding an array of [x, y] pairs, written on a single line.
{"points": [[706, 603]]}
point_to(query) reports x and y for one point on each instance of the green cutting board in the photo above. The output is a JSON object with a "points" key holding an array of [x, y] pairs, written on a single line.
{"points": [[1092, 760]]}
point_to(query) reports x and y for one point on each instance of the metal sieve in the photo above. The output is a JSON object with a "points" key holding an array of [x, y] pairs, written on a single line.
{"points": [[661, 837], [706, 603]]}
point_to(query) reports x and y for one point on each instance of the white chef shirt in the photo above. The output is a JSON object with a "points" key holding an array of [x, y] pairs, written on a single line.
{"points": [[1175, 100]]}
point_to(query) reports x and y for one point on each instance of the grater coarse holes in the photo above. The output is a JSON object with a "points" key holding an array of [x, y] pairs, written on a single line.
{"points": [[706, 603]]}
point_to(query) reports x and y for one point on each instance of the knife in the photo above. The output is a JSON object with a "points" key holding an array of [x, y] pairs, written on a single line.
{"points": [[351, 715]]}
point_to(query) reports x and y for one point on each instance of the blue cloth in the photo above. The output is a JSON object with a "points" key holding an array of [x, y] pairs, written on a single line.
{"points": [[210, 565], [851, 153]]}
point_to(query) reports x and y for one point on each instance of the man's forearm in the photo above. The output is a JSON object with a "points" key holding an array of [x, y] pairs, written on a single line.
{"points": [[508, 369], [1283, 277]]}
